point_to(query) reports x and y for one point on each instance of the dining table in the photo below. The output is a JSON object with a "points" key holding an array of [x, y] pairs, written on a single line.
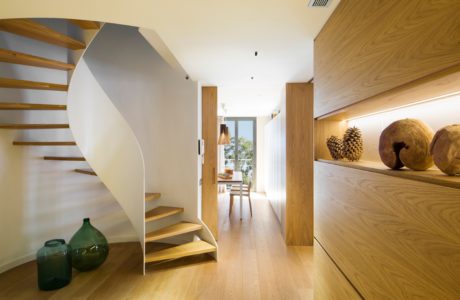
{"points": [[237, 178]]}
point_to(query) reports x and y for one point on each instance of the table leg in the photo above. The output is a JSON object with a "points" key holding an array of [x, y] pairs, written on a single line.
{"points": [[241, 201]]}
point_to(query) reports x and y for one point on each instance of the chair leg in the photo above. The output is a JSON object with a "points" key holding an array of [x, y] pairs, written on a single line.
{"points": [[250, 205], [231, 205]]}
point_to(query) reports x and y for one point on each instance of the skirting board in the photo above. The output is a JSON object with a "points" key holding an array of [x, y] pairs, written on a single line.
{"points": [[31, 256]]}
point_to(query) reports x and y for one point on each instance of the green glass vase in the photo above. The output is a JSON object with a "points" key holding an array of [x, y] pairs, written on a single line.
{"points": [[54, 267], [89, 247]]}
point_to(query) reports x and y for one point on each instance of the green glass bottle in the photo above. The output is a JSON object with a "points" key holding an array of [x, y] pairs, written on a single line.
{"points": [[54, 267], [89, 247]]}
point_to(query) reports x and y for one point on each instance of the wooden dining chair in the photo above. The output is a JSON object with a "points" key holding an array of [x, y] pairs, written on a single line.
{"points": [[235, 191]]}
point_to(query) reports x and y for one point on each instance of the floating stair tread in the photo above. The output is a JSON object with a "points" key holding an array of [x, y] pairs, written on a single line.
{"points": [[31, 106], [86, 171], [152, 196], [37, 31], [27, 143], [173, 230], [71, 158], [162, 212], [34, 85], [14, 57], [86, 25], [188, 249], [33, 126]]}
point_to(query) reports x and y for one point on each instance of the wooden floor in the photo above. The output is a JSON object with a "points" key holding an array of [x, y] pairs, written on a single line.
{"points": [[253, 263]]}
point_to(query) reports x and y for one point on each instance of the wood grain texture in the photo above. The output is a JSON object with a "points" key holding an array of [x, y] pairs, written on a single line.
{"points": [[15, 57], [433, 86], [323, 130], [37, 31], [65, 158], [152, 196], [188, 249], [34, 126], [433, 175], [330, 284], [161, 212], [393, 238], [209, 213], [27, 143], [299, 164], [86, 25], [33, 85], [31, 106], [86, 172], [254, 263], [173, 230], [369, 47]]}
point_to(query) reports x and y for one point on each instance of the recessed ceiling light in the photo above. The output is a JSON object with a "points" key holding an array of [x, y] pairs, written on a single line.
{"points": [[256, 53], [252, 77]]}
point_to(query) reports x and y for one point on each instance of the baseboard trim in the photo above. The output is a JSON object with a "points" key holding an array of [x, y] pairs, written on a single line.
{"points": [[31, 256]]}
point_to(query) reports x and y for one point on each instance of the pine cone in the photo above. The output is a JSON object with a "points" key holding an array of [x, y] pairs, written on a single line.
{"points": [[352, 144], [335, 146]]}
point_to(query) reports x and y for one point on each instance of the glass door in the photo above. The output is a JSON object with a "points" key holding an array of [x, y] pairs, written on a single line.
{"points": [[240, 154]]}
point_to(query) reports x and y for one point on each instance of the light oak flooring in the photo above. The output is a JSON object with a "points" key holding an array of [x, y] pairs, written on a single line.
{"points": [[253, 263]]}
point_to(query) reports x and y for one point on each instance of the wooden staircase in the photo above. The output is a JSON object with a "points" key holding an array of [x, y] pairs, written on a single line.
{"points": [[34, 30], [174, 252]]}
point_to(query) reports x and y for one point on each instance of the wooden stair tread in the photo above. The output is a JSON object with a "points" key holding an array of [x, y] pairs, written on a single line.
{"points": [[31, 106], [27, 143], [85, 24], [15, 57], [37, 31], [34, 85], [152, 196], [162, 212], [86, 171], [33, 126], [71, 158], [188, 249], [173, 230]]}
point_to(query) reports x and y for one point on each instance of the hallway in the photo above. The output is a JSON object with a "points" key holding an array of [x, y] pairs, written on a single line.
{"points": [[254, 263]]}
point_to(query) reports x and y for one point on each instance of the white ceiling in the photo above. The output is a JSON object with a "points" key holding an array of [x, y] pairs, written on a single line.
{"points": [[215, 41]]}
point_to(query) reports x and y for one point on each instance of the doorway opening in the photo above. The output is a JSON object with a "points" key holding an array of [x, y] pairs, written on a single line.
{"points": [[241, 154]]}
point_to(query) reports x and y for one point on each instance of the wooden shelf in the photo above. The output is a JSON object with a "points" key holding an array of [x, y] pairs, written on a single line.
{"points": [[37, 31], [433, 176]]}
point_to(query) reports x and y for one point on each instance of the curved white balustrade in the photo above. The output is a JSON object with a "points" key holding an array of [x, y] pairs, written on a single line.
{"points": [[108, 144]]}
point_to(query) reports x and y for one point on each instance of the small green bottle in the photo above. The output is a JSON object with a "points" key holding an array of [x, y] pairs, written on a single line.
{"points": [[54, 265]]}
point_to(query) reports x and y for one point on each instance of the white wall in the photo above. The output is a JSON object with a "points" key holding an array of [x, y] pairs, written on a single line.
{"points": [[261, 122], [161, 107], [275, 163], [39, 199]]}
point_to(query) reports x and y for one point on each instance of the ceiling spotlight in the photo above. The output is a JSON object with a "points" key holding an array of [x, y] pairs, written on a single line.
{"points": [[252, 77], [256, 53]]}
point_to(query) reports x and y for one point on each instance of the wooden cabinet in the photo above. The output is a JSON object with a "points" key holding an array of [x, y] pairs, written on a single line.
{"points": [[391, 234], [394, 238], [368, 47]]}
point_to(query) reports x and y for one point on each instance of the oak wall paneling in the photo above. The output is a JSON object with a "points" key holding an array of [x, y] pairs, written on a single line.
{"points": [[393, 238], [330, 284], [372, 46], [209, 209], [299, 164]]}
